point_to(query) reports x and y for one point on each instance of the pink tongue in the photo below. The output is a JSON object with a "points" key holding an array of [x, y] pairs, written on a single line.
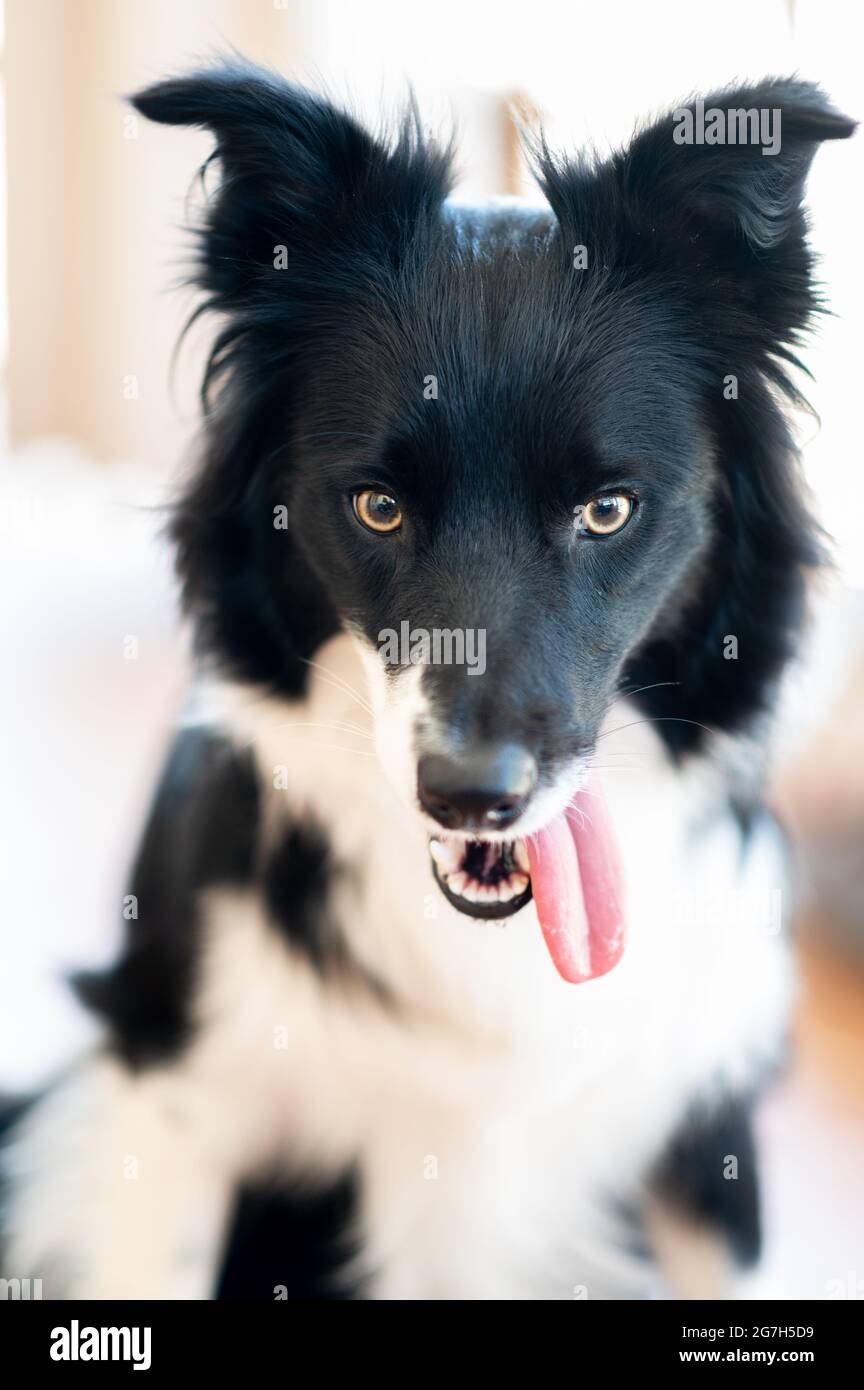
{"points": [[578, 889]]}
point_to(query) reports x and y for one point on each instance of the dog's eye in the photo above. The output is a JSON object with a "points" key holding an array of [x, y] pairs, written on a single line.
{"points": [[377, 511], [605, 515]]}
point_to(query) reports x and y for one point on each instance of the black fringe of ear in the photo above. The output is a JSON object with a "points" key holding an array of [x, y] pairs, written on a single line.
{"points": [[734, 185]]}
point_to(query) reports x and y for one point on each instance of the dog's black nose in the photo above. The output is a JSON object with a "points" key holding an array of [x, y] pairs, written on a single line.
{"points": [[485, 790]]}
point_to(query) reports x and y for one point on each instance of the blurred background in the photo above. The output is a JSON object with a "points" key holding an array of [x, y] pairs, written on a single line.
{"points": [[96, 421]]}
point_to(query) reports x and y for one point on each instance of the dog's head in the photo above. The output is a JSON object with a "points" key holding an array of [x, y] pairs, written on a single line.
{"points": [[542, 450]]}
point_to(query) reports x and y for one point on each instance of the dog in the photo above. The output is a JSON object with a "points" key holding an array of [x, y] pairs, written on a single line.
{"points": [[449, 978]]}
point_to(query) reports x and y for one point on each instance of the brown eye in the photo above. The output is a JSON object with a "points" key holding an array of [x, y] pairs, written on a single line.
{"points": [[377, 511], [605, 515]]}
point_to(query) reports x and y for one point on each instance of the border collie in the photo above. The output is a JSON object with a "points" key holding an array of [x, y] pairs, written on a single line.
{"points": [[445, 982]]}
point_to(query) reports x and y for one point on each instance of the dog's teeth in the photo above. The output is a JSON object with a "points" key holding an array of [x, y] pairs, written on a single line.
{"points": [[447, 856], [450, 855]]}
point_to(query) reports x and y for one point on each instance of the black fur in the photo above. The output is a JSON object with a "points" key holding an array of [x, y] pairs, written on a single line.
{"points": [[695, 1175], [296, 883], [291, 1245], [202, 831], [553, 384]]}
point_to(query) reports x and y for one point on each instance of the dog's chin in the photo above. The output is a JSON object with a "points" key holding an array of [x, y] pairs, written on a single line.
{"points": [[482, 878]]}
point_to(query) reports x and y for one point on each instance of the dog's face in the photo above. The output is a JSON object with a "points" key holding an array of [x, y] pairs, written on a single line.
{"points": [[504, 458], [541, 450]]}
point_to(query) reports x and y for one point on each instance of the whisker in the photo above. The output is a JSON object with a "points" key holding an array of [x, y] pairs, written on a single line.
{"points": [[250, 745], [599, 767], [640, 690], [346, 690], [657, 719], [331, 724], [623, 753], [339, 683], [340, 748]]}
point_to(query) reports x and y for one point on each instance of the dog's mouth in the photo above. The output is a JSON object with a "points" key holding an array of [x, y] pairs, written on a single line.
{"points": [[482, 878], [570, 868]]}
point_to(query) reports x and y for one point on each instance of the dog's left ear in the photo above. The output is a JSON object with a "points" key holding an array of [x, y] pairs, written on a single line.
{"points": [[712, 191], [732, 166]]}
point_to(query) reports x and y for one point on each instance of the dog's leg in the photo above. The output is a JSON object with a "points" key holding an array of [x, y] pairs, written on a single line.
{"points": [[701, 1215], [111, 1191]]}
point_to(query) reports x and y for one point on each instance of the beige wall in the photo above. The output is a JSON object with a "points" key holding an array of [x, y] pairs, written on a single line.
{"points": [[95, 200]]}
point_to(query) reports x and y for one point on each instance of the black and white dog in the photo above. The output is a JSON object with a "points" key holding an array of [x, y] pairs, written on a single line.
{"points": [[495, 555]]}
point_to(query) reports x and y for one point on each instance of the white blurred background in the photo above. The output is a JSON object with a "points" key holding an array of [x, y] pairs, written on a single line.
{"points": [[95, 424]]}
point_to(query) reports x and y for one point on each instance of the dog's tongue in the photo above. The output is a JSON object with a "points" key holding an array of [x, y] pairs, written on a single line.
{"points": [[578, 889]]}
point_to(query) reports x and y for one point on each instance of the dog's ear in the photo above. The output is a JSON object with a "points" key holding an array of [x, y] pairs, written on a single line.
{"points": [[299, 180], [745, 191], [725, 218]]}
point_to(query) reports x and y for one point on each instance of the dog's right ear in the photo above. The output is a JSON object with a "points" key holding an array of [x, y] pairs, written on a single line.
{"points": [[300, 180]]}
